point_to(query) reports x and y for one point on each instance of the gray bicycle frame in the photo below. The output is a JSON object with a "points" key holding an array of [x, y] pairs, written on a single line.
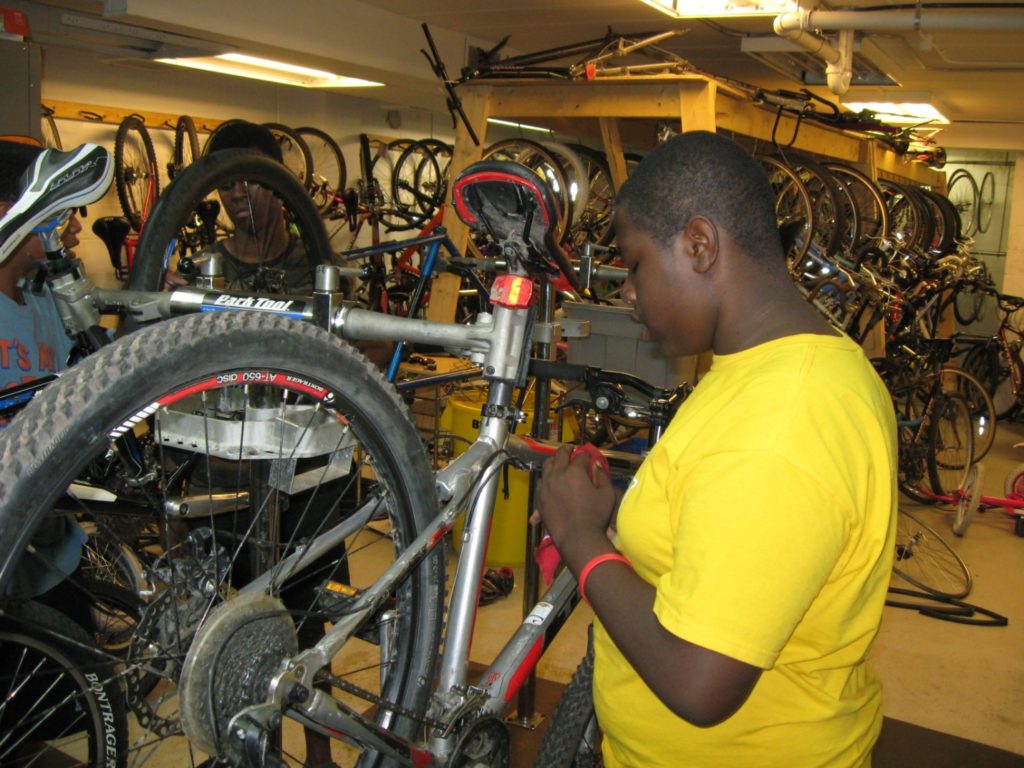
{"points": [[498, 342]]}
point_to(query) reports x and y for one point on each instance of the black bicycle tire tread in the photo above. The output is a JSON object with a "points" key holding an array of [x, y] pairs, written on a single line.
{"points": [[307, 159], [426, 208], [965, 377], [795, 254], [985, 207], [944, 242], [574, 710], [938, 417], [968, 228], [978, 362], [860, 178], [81, 412], [970, 316], [185, 134], [829, 184]]}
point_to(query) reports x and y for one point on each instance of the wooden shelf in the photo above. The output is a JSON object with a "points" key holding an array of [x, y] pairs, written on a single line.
{"points": [[625, 110], [97, 113]]}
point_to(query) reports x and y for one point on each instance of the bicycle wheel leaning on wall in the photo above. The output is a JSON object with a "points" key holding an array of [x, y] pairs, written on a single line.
{"points": [[263, 432]]}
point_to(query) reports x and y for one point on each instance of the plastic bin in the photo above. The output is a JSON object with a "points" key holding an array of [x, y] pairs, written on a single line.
{"points": [[615, 342], [507, 544]]}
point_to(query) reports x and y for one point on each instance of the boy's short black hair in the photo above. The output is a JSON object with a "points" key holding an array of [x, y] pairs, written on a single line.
{"points": [[700, 173], [241, 134], [15, 158]]}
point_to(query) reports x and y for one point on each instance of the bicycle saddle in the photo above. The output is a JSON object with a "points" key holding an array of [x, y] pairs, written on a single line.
{"points": [[55, 183], [112, 230], [513, 205]]}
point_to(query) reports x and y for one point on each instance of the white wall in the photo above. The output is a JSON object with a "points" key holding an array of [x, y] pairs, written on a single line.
{"points": [[992, 245]]}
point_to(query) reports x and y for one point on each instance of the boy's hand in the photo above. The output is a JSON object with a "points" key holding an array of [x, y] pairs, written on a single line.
{"points": [[575, 497]]}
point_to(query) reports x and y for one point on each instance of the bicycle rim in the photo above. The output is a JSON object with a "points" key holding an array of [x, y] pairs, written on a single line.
{"points": [[136, 174], [261, 433], [327, 158], [951, 445], [979, 404], [924, 559]]}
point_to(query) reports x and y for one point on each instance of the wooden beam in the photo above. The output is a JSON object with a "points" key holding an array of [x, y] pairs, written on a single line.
{"points": [[612, 141], [630, 98], [898, 168], [742, 116], [97, 113], [444, 291], [697, 108]]}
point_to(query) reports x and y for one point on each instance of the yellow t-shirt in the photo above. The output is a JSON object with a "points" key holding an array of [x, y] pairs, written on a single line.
{"points": [[765, 519]]}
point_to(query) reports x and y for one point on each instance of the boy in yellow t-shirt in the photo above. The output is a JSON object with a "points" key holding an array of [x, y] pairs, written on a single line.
{"points": [[739, 598]]}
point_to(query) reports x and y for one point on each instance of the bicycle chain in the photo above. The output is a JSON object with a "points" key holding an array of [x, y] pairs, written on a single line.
{"points": [[355, 690]]}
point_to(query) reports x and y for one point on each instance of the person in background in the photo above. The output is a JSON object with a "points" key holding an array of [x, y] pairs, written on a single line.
{"points": [[260, 254], [743, 585]]}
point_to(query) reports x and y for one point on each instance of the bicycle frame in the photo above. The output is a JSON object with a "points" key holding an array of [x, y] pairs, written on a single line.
{"points": [[499, 342]]}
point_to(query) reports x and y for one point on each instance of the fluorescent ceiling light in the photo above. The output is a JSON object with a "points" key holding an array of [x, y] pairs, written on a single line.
{"points": [[703, 9], [900, 113], [522, 126], [256, 68]]}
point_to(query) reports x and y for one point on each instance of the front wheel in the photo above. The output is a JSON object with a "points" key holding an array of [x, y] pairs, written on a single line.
{"points": [[136, 173], [261, 434]]}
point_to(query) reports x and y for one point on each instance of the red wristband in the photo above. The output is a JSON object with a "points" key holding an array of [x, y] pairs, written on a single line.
{"points": [[592, 564]]}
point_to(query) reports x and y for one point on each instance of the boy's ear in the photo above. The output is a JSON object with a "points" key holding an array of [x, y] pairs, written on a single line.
{"points": [[701, 237]]}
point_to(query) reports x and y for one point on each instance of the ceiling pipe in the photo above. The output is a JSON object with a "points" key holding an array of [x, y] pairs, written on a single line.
{"points": [[797, 26]]}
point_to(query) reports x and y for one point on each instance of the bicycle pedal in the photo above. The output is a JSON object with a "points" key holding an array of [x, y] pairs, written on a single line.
{"points": [[335, 598]]}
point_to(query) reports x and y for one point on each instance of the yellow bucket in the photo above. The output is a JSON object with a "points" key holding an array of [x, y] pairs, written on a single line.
{"points": [[507, 543]]}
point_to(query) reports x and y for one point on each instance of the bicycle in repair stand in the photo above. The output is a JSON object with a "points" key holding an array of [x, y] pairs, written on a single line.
{"points": [[303, 566]]}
